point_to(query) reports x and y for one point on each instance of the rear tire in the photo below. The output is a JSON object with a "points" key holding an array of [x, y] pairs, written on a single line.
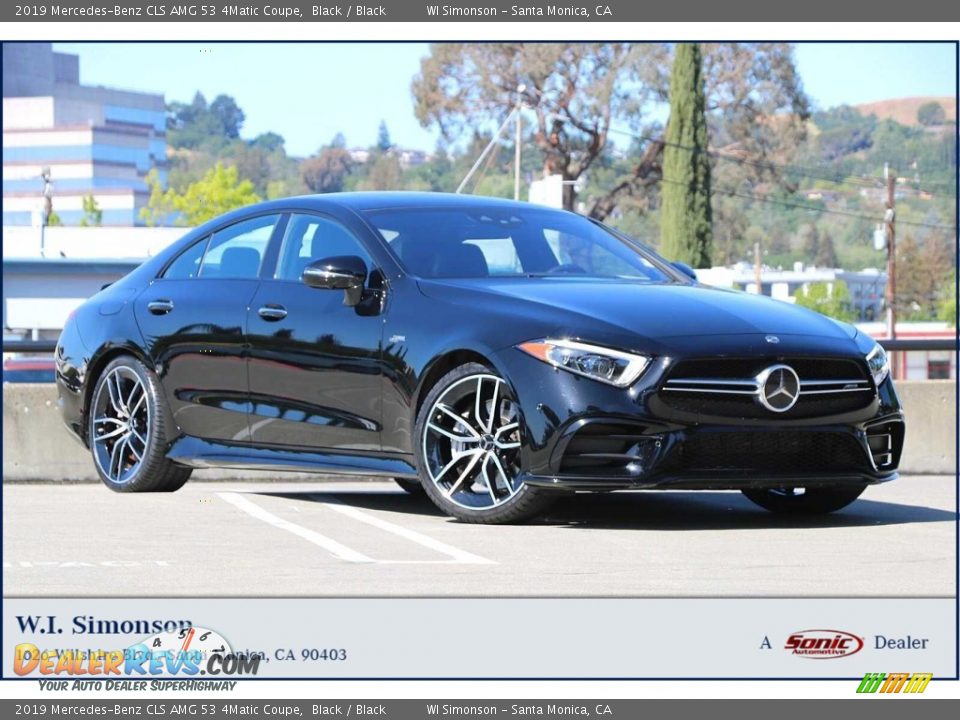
{"points": [[127, 426], [469, 438], [813, 501]]}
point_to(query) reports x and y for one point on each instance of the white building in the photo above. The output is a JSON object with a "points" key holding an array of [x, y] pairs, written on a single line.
{"points": [[94, 140], [866, 286]]}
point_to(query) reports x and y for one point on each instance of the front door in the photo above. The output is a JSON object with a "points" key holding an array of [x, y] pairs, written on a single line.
{"points": [[315, 376]]}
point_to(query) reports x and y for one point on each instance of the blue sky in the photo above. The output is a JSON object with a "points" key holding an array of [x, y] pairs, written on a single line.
{"points": [[309, 92]]}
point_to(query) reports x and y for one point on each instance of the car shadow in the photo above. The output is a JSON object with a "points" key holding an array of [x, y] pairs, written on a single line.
{"points": [[661, 510]]}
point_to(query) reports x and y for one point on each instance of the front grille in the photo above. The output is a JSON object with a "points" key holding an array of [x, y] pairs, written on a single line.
{"points": [[727, 387], [603, 449], [806, 368], [778, 452]]}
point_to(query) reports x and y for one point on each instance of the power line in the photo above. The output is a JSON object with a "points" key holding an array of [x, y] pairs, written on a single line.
{"points": [[813, 173], [813, 208]]}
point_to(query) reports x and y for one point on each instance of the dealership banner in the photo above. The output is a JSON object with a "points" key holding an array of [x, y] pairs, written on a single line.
{"points": [[486, 707], [210, 644], [471, 10]]}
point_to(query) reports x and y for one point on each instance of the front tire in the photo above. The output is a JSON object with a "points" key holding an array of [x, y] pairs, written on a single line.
{"points": [[804, 501], [127, 427], [469, 438], [412, 487]]}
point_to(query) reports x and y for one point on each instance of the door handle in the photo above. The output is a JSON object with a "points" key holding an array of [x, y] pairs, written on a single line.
{"points": [[272, 313], [160, 307]]}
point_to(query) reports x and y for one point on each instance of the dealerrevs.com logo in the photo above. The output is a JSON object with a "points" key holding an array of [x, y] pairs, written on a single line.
{"points": [[823, 644]]}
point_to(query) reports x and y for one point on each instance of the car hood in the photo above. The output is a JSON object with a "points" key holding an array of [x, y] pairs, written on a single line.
{"points": [[652, 310]]}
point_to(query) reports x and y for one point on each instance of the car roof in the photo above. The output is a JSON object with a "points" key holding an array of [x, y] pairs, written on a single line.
{"points": [[360, 201]]}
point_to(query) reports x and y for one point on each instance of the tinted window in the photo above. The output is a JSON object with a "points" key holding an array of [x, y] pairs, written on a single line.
{"points": [[187, 265], [237, 250], [485, 242], [309, 238]]}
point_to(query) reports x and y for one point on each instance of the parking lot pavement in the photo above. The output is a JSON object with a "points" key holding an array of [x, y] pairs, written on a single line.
{"points": [[371, 539]]}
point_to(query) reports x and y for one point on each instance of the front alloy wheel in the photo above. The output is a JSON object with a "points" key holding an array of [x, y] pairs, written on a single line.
{"points": [[470, 437]]}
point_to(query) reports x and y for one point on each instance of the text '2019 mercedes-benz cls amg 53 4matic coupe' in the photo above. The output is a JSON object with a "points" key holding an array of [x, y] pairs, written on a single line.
{"points": [[490, 353]]}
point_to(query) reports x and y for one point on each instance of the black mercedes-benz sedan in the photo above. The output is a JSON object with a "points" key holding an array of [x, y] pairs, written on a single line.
{"points": [[492, 354]]}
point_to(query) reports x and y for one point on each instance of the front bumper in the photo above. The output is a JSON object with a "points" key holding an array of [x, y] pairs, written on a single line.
{"points": [[587, 436], [704, 481]]}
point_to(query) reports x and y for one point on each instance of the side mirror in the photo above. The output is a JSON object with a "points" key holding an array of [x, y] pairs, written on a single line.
{"points": [[686, 270], [343, 272]]}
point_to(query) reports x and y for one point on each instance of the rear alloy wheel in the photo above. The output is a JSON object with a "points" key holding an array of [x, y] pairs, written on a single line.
{"points": [[804, 501], [127, 431], [469, 441]]}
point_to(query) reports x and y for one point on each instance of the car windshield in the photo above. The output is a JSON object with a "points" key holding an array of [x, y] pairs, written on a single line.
{"points": [[474, 242]]}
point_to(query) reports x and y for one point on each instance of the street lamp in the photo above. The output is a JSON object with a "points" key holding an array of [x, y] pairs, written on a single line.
{"points": [[47, 207]]}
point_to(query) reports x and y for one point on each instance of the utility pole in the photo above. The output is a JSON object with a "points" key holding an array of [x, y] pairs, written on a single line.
{"points": [[889, 219], [757, 268], [486, 151], [518, 143]]}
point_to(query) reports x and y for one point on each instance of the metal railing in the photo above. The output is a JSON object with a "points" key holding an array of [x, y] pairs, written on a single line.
{"points": [[29, 346], [900, 344]]}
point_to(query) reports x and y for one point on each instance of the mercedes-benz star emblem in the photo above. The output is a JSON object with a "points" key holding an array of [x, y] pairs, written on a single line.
{"points": [[778, 388], [772, 339]]}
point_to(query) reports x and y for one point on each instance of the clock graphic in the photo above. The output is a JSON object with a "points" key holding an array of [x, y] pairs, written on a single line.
{"points": [[191, 639]]}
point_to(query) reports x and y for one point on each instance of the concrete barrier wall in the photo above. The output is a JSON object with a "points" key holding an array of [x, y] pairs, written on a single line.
{"points": [[36, 446]]}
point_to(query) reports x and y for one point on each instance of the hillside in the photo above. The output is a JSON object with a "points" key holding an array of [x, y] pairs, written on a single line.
{"points": [[904, 110]]}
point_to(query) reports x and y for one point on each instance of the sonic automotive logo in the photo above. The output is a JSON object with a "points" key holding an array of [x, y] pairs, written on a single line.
{"points": [[189, 651], [894, 683], [823, 644]]}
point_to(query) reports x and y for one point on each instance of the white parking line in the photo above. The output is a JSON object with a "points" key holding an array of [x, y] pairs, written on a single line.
{"points": [[458, 555], [336, 549]]}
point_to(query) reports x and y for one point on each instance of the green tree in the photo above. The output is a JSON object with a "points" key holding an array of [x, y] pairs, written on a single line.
{"points": [[686, 216], [327, 171], [923, 270], [931, 113], [826, 255], [948, 303], [809, 238], [200, 125], [218, 191], [385, 174], [579, 92], [269, 141], [92, 214], [383, 137], [228, 115], [832, 300]]}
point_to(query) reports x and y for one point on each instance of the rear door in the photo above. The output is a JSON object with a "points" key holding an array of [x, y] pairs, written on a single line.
{"points": [[315, 375], [193, 318]]}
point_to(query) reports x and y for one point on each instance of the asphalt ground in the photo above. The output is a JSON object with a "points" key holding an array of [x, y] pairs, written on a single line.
{"points": [[329, 538]]}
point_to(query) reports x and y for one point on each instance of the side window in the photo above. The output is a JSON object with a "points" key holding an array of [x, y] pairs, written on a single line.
{"points": [[607, 259], [187, 265], [237, 250], [309, 238]]}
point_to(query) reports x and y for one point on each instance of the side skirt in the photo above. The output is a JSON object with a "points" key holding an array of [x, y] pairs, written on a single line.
{"points": [[193, 452]]}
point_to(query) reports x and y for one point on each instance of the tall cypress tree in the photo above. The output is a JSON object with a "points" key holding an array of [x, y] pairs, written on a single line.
{"points": [[685, 215]]}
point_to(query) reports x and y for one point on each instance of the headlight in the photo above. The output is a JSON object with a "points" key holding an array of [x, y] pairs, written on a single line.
{"points": [[879, 364], [599, 363]]}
